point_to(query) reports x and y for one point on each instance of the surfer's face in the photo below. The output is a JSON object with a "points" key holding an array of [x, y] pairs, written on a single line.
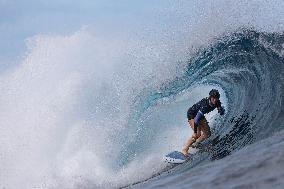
{"points": [[213, 100]]}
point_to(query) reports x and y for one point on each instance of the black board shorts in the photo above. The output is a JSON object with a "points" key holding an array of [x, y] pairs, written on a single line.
{"points": [[190, 115]]}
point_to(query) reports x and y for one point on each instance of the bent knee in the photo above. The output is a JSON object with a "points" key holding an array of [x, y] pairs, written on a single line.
{"points": [[207, 134], [196, 136]]}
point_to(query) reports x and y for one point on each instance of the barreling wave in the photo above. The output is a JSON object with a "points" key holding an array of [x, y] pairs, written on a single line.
{"points": [[249, 67]]}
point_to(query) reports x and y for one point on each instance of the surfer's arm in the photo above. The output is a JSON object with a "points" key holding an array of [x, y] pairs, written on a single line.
{"points": [[221, 110], [195, 128]]}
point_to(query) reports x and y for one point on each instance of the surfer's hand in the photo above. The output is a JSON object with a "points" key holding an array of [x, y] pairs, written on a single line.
{"points": [[222, 110]]}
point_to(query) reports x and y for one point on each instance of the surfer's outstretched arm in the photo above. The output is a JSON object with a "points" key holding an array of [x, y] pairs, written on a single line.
{"points": [[221, 110]]}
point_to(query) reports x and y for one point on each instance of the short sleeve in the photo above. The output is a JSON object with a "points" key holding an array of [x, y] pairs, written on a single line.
{"points": [[203, 106], [203, 110]]}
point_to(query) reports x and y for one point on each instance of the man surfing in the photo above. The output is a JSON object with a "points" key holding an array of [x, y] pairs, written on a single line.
{"points": [[197, 120]]}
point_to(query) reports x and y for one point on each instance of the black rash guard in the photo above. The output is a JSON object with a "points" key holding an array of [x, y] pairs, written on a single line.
{"points": [[202, 107]]}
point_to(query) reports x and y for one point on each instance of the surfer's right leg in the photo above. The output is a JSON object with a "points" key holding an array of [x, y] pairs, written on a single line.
{"points": [[192, 139], [204, 127]]}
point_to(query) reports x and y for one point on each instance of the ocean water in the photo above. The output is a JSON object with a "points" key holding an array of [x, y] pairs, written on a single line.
{"points": [[94, 97], [253, 166]]}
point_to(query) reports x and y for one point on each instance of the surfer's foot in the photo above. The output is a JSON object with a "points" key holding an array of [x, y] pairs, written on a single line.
{"points": [[196, 145], [185, 152]]}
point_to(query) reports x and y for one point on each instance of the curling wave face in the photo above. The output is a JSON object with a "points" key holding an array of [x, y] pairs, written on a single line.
{"points": [[249, 67], [74, 117]]}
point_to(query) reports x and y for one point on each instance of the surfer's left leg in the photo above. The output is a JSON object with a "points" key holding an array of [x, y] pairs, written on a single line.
{"points": [[192, 139], [205, 130]]}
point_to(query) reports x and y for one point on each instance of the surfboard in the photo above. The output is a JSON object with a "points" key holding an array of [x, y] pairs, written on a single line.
{"points": [[175, 157]]}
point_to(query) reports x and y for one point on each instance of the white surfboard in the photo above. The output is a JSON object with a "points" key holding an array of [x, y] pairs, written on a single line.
{"points": [[175, 157]]}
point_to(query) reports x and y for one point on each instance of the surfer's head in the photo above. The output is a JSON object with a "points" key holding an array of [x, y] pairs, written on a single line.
{"points": [[214, 96]]}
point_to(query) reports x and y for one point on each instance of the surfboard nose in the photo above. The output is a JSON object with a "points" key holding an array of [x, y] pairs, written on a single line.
{"points": [[175, 157]]}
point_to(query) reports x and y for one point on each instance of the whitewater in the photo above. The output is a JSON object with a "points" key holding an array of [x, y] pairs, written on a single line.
{"points": [[99, 106]]}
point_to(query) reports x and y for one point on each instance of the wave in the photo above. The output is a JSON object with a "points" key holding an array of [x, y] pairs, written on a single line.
{"points": [[248, 66], [75, 117]]}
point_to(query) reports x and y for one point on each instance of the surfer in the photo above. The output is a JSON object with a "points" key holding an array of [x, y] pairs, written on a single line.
{"points": [[197, 120]]}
